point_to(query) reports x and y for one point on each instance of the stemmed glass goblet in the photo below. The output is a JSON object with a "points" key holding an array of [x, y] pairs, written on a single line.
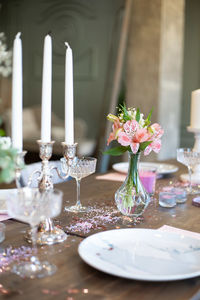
{"points": [[30, 205], [189, 158], [80, 168]]}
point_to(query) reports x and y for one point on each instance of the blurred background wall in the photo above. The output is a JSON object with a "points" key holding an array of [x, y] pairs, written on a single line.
{"points": [[160, 69]]}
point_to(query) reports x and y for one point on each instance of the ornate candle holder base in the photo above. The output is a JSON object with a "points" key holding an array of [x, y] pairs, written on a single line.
{"points": [[45, 237], [48, 234]]}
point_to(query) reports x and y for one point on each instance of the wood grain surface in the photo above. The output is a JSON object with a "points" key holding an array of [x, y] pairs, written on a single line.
{"points": [[76, 280]]}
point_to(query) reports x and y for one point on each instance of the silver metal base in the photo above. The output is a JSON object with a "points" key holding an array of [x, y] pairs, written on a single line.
{"points": [[55, 236]]}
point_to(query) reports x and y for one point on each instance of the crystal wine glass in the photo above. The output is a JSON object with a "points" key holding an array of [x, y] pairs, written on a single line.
{"points": [[32, 206], [189, 158], [80, 168]]}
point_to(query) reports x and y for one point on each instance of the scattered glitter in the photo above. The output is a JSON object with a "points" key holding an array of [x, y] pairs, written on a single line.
{"points": [[73, 291], [50, 292], [45, 291], [96, 220], [11, 255], [85, 291]]}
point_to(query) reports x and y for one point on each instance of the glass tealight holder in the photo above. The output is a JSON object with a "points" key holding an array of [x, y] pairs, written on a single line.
{"points": [[167, 199], [181, 195]]}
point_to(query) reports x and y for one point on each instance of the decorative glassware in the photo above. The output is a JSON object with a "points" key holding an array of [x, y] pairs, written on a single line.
{"points": [[80, 168], [189, 158], [131, 198], [33, 206], [167, 199]]}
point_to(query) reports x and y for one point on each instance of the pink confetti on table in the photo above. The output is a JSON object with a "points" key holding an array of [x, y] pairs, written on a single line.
{"points": [[97, 218], [10, 255]]}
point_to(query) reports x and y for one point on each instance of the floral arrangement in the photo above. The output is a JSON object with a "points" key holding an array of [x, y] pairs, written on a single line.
{"points": [[5, 57], [7, 160], [133, 132]]}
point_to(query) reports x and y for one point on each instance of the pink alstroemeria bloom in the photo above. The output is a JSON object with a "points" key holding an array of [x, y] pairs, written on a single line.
{"points": [[124, 139], [155, 146], [130, 127], [141, 135], [117, 128], [133, 136], [156, 131]]}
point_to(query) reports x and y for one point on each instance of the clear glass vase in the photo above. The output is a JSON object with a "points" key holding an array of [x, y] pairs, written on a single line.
{"points": [[131, 198]]}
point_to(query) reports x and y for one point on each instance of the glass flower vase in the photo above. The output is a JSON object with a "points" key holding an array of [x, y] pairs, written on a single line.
{"points": [[131, 198]]}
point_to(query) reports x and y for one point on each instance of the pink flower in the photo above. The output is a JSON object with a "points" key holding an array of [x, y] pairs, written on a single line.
{"points": [[117, 128], [133, 135], [156, 131], [134, 147], [155, 146], [130, 127], [124, 139], [141, 135]]}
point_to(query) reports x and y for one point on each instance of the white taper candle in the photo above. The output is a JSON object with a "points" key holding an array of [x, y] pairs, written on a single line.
{"points": [[17, 94], [195, 109], [69, 97], [46, 90]]}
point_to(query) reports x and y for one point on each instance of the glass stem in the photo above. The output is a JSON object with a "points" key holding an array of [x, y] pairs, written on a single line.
{"points": [[190, 178], [34, 257], [78, 202]]}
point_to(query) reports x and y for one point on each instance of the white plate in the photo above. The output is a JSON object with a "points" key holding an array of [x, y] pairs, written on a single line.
{"points": [[3, 195], [143, 254], [162, 168]]}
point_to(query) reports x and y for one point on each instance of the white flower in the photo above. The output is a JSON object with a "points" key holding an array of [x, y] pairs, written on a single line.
{"points": [[5, 143], [5, 57]]}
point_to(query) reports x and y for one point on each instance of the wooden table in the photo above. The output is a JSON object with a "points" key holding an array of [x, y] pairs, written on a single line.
{"points": [[76, 280]]}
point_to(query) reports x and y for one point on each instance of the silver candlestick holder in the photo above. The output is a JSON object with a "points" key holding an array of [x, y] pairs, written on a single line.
{"points": [[48, 233], [69, 153]]}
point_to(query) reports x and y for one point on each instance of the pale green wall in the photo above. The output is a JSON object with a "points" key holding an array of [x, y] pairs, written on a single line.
{"points": [[88, 26], [191, 71]]}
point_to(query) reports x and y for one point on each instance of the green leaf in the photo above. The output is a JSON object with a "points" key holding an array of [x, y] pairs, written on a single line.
{"points": [[144, 145], [116, 151], [124, 111], [137, 115], [148, 119], [2, 132]]}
